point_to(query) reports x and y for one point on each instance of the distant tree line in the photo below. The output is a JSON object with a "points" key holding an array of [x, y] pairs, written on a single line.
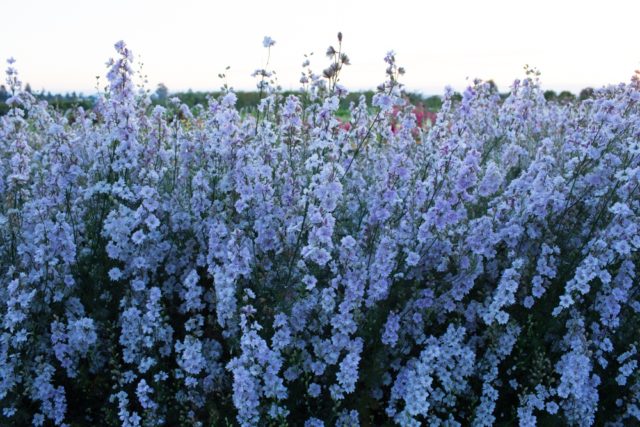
{"points": [[566, 96], [249, 99], [61, 102]]}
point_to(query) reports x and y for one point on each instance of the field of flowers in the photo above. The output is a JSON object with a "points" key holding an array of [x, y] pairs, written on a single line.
{"points": [[195, 266]]}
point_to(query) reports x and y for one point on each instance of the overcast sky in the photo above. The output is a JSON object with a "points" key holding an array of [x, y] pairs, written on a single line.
{"points": [[62, 45]]}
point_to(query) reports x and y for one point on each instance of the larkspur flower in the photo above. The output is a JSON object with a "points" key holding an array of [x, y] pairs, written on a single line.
{"points": [[268, 41], [291, 266]]}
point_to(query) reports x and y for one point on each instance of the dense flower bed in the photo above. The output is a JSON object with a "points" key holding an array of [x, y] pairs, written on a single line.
{"points": [[203, 267]]}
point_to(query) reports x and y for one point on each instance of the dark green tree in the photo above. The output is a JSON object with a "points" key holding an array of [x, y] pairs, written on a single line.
{"points": [[161, 94], [585, 93], [550, 95]]}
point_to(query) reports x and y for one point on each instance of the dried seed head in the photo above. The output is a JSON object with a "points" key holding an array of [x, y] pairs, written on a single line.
{"points": [[331, 51]]}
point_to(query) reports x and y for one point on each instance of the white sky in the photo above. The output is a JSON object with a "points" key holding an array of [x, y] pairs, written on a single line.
{"points": [[61, 45]]}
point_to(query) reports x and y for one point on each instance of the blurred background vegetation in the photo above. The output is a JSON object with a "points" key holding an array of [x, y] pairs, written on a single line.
{"points": [[247, 100]]}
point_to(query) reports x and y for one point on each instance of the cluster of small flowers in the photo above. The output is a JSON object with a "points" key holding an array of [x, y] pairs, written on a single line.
{"points": [[177, 266]]}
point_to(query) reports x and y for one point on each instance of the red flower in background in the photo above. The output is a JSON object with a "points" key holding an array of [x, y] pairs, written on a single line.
{"points": [[424, 118], [344, 125]]}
